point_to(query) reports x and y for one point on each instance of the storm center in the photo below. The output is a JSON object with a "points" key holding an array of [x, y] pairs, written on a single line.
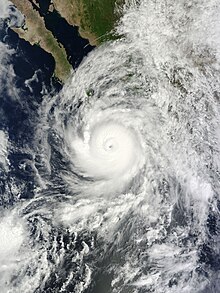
{"points": [[110, 144]]}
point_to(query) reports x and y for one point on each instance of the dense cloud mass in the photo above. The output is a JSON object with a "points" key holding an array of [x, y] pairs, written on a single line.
{"points": [[123, 160]]}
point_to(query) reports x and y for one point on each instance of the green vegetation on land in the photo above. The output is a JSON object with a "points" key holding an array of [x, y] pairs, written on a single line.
{"points": [[96, 20], [100, 17], [35, 32]]}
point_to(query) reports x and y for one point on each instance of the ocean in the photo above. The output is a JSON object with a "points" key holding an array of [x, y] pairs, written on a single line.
{"points": [[110, 182]]}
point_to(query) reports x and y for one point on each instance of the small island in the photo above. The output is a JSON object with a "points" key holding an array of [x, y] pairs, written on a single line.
{"points": [[95, 19]]}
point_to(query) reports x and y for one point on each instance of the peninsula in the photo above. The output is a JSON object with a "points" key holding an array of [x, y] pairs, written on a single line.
{"points": [[95, 19]]}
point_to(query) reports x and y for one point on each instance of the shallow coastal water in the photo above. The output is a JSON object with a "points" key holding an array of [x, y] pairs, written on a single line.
{"points": [[111, 182], [76, 47]]}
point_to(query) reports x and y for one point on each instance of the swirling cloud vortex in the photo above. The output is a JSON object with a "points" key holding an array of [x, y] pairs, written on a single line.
{"points": [[109, 150]]}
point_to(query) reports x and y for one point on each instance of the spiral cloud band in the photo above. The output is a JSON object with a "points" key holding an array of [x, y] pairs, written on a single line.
{"points": [[109, 150], [130, 158]]}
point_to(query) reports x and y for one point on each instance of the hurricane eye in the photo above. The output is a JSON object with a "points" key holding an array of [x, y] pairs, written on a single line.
{"points": [[112, 151], [110, 145]]}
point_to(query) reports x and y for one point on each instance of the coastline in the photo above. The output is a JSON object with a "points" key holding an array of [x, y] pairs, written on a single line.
{"points": [[91, 25]]}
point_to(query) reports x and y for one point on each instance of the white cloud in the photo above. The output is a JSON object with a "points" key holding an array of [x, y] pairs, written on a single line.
{"points": [[4, 150], [4, 8]]}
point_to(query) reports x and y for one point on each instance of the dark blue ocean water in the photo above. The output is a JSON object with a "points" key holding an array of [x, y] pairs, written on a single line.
{"points": [[19, 117], [21, 95]]}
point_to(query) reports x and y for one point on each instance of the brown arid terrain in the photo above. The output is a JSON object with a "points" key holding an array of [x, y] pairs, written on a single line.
{"points": [[95, 19]]}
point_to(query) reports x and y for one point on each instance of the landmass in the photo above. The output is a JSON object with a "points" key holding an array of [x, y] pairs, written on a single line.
{"points": [[35, 32], [95, 19]]}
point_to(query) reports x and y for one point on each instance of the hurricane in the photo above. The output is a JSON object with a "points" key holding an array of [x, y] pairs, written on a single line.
{"points": [[127, 164]]}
